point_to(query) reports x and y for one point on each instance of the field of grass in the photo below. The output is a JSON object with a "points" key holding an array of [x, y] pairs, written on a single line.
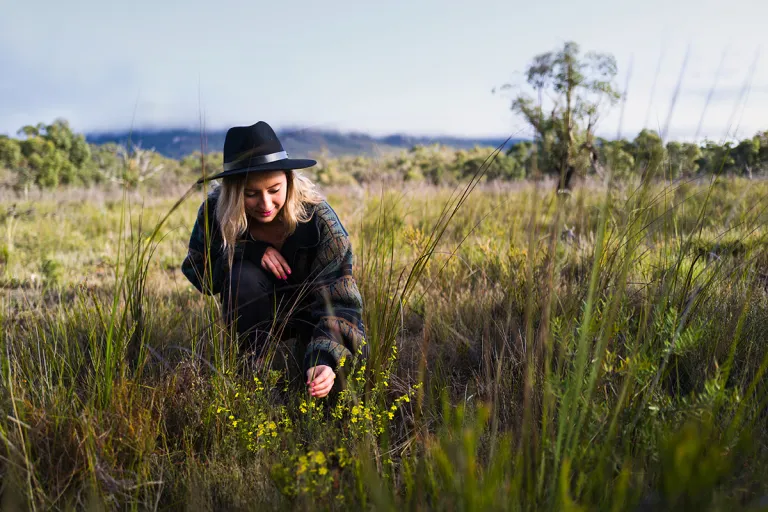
{"points": [[528, 351]]}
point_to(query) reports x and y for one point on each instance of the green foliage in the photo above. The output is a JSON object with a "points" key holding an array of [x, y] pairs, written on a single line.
{"points": [[504, 167], [10, 152], [328, 173], [683, 159], [52, 271], [625, 397], [193, 164], [580, 88], [46, 156], [619, 157], [5, 255], [51, 156], [693, 461], [648, 152], [746, 155], [647, 157]]}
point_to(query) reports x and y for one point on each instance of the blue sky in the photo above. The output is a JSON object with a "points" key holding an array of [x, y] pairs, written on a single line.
{"points": [[420, 67]]}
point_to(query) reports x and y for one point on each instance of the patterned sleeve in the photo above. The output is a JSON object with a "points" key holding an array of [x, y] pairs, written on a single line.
{"points": [[336, 307], [204, 264]]}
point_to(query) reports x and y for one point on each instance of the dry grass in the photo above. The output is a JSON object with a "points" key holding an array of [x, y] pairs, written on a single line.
{"points": [[597, 350]]}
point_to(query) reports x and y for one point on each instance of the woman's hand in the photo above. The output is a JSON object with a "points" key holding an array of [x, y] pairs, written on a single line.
{"points": [[320, 380], [275, 263]]}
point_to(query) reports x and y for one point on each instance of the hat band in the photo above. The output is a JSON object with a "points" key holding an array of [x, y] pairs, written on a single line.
{"points": [[256, 160]]}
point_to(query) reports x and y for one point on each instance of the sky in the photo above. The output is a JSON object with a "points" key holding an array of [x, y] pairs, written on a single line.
{"points": [[419, 67]]}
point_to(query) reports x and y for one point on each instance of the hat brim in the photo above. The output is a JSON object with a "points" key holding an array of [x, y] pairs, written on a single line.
{"points": [[277, 165]]}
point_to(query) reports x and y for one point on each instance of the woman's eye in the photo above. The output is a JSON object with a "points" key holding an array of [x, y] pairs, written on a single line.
{"points": [[274, 191]]}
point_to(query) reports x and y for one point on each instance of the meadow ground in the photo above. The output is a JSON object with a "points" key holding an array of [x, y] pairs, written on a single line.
{"points": [[599, 350]]}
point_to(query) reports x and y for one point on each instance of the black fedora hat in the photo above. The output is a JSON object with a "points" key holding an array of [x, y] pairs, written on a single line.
{"points": [[255, 148]]}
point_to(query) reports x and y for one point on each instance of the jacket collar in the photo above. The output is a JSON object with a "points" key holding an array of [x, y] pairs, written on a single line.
{"points": [[306, 235]]}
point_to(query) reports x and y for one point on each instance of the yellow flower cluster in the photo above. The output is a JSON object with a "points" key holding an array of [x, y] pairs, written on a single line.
{"points": [[305, 406], [360, 374], [369, 415], [266, 428], [361, 413], [313, 462], [313, 473], [262, 431], [254, 419]]}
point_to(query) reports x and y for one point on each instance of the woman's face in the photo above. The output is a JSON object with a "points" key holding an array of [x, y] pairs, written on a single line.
{"points": [[265, 194]]}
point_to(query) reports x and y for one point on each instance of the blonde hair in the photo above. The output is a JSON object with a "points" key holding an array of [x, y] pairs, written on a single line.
{"points": [[300, 196]]}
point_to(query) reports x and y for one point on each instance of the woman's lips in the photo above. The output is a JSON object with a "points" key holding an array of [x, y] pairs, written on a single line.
{"points": [[266, 214]]}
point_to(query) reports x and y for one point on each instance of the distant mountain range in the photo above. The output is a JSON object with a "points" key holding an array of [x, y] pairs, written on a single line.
{"points": [[175, 143]]}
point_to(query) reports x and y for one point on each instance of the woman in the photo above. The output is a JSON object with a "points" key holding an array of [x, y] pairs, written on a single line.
{"points": [[279, 257]]}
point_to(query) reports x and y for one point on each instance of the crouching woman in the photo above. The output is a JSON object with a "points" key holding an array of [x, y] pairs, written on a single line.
{"points": [[276, 253]]}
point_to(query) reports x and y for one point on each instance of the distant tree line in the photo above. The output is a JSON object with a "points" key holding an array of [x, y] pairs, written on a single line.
{"points": [[45, 157], [647, 153]]}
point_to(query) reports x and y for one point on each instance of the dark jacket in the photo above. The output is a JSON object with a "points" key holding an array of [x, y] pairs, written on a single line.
{"points": [[320, 257]]}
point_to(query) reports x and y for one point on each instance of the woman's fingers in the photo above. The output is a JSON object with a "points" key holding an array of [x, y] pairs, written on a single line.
{"points": [[317, 373], [280, 271], [274, 262], [320, 378], [282, 262], [272, 267], [326, 375], [322, 391]]}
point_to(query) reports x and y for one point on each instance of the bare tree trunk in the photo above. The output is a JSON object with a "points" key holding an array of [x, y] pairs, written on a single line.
{"points": [[566, 170]]}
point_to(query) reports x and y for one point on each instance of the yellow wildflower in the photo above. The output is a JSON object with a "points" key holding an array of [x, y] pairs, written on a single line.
{"points": [[319, 458]]}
